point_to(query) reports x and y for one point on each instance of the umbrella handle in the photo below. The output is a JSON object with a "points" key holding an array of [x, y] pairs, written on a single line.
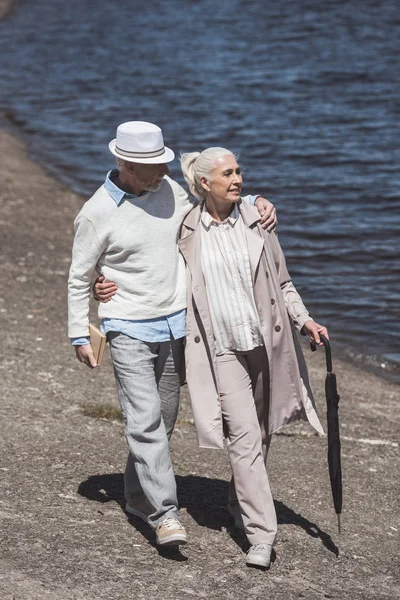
{"points": [[328, 352]]}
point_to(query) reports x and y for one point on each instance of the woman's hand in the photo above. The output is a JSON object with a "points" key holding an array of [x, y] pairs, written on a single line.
{"points": [[313, 329], [103, 291], [267, 212]]}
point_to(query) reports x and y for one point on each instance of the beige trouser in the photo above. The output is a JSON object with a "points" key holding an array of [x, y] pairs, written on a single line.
{"points": [[244, 388]]}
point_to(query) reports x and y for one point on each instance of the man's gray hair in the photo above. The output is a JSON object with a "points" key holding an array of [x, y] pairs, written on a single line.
{"points": [[120, 163]]}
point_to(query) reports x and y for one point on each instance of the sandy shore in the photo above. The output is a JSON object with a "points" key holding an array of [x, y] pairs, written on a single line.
{"points": [[64, 534]]}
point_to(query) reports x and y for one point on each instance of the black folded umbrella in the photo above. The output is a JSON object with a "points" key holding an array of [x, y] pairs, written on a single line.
{"points": [[332, 403]]}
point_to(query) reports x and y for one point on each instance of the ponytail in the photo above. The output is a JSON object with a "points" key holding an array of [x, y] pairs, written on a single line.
{"points": [[188, 161]]}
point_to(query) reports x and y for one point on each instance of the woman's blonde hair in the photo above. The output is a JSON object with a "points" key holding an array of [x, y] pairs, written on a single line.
{"points": [[195, 165]]}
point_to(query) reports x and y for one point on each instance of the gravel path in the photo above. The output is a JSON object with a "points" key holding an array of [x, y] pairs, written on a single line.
{"points": [[64, 534]]}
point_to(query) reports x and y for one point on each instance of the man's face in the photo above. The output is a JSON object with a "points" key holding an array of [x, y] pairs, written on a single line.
{"points": [[148, 176]]}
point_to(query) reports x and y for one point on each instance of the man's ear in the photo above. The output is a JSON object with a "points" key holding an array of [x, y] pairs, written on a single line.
{"points": [[204, 183]]}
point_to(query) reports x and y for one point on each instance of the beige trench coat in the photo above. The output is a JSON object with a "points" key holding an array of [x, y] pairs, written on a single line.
{"points": [[290, 394]]}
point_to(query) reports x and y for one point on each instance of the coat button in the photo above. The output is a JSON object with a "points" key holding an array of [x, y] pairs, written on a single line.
{"points": [[267, 274], [278, 328], [272, 301], [197, 339]]}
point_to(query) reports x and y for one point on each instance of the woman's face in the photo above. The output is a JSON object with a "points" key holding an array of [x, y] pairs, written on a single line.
{"points": [[225, 183]]}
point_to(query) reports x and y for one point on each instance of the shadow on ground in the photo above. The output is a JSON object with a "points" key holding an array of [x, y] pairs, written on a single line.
{"points": [[205, 501]]}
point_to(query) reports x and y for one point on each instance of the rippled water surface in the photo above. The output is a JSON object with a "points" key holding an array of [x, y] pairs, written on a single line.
{"points": [[306, 91]]}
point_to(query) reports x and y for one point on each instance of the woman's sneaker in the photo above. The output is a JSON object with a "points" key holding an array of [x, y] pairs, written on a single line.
{"points": [[170, 532], [259, 555]]}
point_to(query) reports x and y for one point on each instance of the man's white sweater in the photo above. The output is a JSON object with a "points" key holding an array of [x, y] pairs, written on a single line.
{"points": [[134, 245]]}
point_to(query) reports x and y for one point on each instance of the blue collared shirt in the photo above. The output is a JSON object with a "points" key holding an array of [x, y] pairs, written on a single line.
{"points": [[160, 329], [115, 192]]}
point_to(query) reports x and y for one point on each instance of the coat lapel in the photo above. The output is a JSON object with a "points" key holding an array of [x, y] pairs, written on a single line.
{"points": [[190, 247], [255, 243]]}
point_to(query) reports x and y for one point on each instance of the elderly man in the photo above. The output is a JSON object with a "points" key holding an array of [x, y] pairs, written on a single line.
{"points": [[127, 231]]}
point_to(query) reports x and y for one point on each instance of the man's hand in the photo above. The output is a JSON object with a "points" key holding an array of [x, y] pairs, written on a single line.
{"points": [[267, 213], [103, 291], [313, 329], [85, 355]]}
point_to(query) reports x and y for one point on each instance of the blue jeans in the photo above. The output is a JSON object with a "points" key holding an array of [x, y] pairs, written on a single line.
{"points": [[147, 375]]}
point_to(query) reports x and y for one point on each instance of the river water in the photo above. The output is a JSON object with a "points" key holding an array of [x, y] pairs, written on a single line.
{"points": [[306, 91]]}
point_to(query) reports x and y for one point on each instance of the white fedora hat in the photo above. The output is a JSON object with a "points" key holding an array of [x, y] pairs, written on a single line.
{"points": [[140, 142]]}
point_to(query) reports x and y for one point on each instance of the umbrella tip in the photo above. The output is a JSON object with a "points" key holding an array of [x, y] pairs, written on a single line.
{"points": [[339, 524]]}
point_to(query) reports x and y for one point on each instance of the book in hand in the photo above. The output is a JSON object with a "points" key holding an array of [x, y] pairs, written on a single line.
{"points": [[97, 342]]}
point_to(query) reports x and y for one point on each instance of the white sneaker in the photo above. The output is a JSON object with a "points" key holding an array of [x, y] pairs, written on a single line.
{"points": [[259, 555], [171, 532]]}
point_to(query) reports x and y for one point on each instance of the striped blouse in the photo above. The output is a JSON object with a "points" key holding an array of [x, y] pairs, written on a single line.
{"points": [[226, 269]]}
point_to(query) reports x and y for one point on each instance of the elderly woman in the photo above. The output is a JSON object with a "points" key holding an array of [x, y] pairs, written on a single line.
{"points": [[245, 371]]}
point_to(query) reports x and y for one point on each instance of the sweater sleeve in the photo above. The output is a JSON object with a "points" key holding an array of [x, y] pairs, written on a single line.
{"points": [[294, 304], [250, 199], [86, 251]]}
